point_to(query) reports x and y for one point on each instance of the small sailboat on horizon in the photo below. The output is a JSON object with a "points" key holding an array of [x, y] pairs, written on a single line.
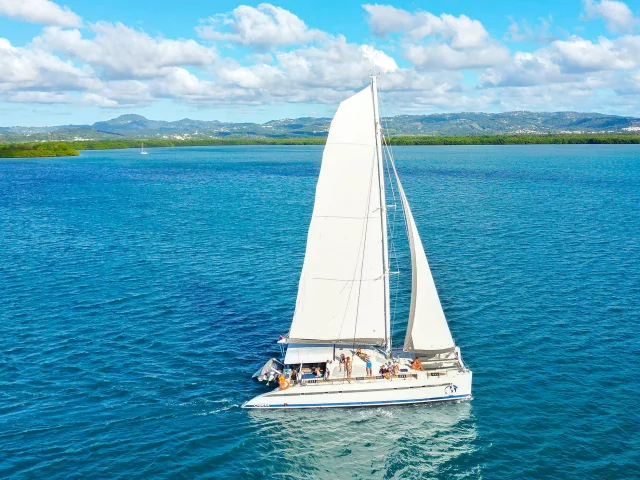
{"points": [[343, 294], [143, 151]]}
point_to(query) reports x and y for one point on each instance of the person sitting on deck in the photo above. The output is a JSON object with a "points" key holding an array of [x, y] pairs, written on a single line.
{"points": [[384, 371], [359, 352], [316, 372], [294, 375], [395, 369], [343, 360], [417, 365]]}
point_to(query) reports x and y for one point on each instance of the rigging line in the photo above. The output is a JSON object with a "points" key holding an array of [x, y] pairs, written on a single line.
{"points": [[384, 219], [394, 224]]}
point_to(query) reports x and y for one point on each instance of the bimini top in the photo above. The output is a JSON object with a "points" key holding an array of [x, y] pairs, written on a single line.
{"points": [[306, 353]]}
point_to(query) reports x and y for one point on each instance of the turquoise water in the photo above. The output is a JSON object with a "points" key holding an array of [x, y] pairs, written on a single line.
{"points": [[139, 295]]}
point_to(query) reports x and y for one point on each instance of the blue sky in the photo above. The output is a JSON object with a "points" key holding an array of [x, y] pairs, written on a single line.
{"points": [[80, 62]]}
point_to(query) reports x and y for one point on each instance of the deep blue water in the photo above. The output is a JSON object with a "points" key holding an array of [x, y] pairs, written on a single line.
{"points": [[139, 294]]}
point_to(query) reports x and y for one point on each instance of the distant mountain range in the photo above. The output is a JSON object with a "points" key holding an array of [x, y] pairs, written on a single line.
{"points": [[137, 126]]}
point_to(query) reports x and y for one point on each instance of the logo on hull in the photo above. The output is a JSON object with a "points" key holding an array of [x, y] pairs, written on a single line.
{"points": [[450, 389]]}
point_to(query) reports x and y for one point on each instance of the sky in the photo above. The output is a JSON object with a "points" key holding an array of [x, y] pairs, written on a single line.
{"points": [[78, 62]]}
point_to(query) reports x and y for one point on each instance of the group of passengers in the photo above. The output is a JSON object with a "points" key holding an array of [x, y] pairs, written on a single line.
{"points": [[387, 370]]}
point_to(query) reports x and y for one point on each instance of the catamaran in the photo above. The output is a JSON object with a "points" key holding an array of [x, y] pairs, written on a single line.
{"points": [[338, 349]]}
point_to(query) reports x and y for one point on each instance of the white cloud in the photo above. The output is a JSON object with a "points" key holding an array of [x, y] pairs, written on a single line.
{"points": [[460, 32], [40, 11], [263, 27], [444, 57], [335, 64], [580, 55], [32, 68], [96, 100], [112, 65], [566, 61], [311, 74], [452, 43], [123, 52], [617, 16]]}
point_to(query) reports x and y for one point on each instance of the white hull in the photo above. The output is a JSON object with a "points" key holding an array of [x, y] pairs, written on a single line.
{"points": [[420, 387]]}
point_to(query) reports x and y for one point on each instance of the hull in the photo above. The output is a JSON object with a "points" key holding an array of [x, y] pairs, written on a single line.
{"points": [[417, 389]]}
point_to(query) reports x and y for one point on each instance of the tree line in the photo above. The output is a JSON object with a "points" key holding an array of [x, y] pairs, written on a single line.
{"points": [[58, 149]]}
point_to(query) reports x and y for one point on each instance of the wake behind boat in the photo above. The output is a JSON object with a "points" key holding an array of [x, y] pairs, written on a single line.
{"points": [[338, 350]]}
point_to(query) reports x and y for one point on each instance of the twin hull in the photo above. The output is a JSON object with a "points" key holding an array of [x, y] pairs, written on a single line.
{"points": [[455, 386]]}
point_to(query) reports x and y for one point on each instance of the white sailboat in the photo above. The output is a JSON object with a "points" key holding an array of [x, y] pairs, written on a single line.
{"points": [[343, 304], [142, 150]]}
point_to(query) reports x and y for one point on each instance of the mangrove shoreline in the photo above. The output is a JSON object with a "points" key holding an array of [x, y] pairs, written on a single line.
{"points": [[73, 148]]}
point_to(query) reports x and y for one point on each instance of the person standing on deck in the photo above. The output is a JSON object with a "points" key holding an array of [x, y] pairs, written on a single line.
{"points": [[327, 370], [369, 367], [348, 367]]}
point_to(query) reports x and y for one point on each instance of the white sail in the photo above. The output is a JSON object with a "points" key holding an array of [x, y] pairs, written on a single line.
{"points": [[427, 331], [342, 289]]}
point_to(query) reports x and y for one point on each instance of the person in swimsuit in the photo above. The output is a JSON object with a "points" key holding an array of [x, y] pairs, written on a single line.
{"points": [[369, 368], [343, 360], [348, 368], [416, 365]]}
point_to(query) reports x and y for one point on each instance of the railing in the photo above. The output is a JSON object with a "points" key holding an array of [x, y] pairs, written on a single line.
{"points": [[358, 379]]}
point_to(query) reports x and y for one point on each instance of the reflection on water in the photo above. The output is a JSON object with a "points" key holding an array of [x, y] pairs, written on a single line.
{"points": [[392, 442]]}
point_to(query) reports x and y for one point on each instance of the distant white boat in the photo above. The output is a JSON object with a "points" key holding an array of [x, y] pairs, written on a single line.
{"points": [[343, 304], [143, 151]]}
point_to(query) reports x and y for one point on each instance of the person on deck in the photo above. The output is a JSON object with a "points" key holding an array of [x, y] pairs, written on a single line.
{"points": [[343, 361], [384, 371], [327, 370], [369, 368], [416, 364], [348, 368], [316, 372]]}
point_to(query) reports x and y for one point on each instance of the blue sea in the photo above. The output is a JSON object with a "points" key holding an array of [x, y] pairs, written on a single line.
{"points": [[140, 293]]}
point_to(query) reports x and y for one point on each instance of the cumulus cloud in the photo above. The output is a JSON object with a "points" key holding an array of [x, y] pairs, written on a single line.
{"points": [[460, 32], [444, 57], [34, 69], [566, 61], [311, 74], [123, 52], [617, 16], [40, 11], [263, 27], [112, 65], [451, 43]]}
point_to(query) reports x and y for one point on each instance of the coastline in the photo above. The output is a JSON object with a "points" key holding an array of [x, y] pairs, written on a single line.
{"points": [[73, 148]]}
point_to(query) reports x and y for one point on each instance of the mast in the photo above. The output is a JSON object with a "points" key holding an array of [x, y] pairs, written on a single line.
{"points": [[383, 216]]}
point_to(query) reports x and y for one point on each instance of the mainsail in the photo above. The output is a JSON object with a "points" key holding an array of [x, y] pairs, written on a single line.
{"points": [[342, 294], [427, 331]]}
